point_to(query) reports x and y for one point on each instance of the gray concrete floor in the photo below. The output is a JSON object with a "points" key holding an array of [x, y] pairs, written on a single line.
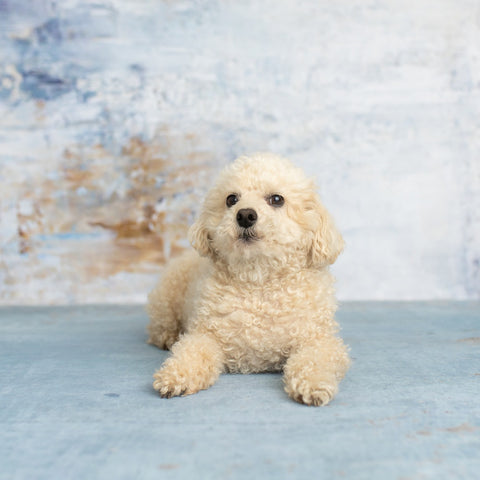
{"points": [[76, 402]]}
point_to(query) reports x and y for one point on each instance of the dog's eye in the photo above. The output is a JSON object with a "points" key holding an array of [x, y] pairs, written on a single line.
{"points": [[275, 200], [231, 200]]}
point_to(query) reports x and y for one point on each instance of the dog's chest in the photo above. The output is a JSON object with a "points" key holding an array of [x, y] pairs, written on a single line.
{"points": [[256, 333], [267, 305], [259, 326]]}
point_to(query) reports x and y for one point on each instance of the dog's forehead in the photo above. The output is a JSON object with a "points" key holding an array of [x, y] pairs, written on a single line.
{"points": [[265, 175], [260, 182]]}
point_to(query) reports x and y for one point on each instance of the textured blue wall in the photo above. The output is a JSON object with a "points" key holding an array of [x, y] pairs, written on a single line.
{"points": [[115, 115]]}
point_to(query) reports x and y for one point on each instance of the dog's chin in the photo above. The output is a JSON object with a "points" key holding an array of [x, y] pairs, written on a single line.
{"points": [[240, 245], [246, 244], [247, 237]]}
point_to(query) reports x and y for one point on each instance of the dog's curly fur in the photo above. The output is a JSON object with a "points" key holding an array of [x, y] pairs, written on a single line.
{"points": [[253, 298]]}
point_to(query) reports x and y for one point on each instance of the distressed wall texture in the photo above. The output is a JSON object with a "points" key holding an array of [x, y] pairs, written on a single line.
{"points": [[115, 115]]}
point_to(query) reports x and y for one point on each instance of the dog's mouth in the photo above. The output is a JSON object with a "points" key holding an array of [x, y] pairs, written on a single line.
{"points": [[248, 235]]}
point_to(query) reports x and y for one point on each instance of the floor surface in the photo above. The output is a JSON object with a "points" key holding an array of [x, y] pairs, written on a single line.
{"points": [[76, 402]]}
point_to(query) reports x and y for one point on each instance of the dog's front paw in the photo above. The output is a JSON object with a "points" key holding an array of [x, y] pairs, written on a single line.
{"points": [[195, 364], [168, 384], [312, 391], [317, 395]]}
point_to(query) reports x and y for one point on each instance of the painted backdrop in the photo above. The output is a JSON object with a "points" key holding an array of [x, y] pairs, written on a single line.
{"points": [[115, 115]]}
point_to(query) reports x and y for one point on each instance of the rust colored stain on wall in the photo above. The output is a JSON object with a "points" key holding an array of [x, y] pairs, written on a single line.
{"points": [[101, 215]]}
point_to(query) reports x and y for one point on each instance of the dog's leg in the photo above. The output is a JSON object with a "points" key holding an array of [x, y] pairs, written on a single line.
{"points": [[195, 364], [312, 373], [164, 328], [163, 308], [166, 301]]}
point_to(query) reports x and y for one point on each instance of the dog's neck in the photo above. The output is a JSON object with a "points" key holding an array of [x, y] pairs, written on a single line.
{"points": [[259, 270]]}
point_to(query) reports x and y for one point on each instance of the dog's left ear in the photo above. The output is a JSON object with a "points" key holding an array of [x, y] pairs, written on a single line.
{"points": [[199, 237], [327, 241]]}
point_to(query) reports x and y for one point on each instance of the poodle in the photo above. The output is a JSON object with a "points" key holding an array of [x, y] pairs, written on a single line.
{"points": [[257, 294]]}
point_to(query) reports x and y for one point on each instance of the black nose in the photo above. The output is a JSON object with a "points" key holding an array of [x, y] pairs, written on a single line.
{"points": [[246, 217]]}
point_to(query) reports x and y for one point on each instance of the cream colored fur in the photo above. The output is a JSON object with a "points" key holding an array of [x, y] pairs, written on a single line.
{"points": [[253, 306]]}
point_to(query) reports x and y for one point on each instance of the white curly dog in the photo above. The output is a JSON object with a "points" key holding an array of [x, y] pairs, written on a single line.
{"points": [[257, 294]]}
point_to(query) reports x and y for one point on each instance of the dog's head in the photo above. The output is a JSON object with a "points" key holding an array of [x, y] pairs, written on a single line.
{"points": [[263, 208]]}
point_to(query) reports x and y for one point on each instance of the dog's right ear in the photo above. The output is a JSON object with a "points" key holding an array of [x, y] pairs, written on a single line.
{"points": [[199, 237]]}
